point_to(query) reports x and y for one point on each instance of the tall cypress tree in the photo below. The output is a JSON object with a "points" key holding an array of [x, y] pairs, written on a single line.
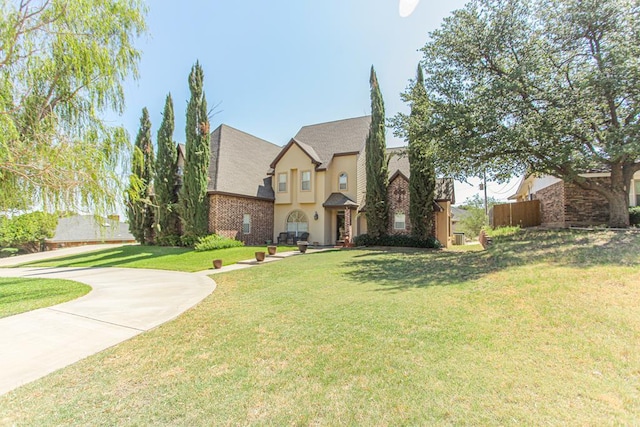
{"points": [[139, 210], [165, 183], [194, 201], [422, 179], [377, 207]]}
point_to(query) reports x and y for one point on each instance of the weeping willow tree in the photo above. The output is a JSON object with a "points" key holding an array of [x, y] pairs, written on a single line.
{"points": [[62, 67]]}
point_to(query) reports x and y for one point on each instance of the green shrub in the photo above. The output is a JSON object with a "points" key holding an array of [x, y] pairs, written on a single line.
{"points": [[27, 230], [502, 231], [213, 241], [7, 252], [170, 240], [398, 240], [189, 240], [634, 215]]}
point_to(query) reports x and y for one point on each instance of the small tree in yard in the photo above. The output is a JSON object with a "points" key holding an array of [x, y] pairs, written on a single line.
{"points": [[539, 86], [193, 196], [475, 220], [27, 231], [166, 178], [377, 208]]}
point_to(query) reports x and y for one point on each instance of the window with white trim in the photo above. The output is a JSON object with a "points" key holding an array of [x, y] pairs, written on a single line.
{"points": [[342, 181], [637, 188], [297, 223], [399, 221], [282, 182], [305, 180], [246, 224]]}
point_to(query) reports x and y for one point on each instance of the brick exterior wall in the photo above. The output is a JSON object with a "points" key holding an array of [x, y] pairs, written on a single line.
{"points": [[552, 205], [585, 207], [398, 196], [565, 204], [226, 214]]}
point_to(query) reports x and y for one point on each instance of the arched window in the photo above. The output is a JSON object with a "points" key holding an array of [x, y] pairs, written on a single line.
{"points": [[297, 222], [342, 181]]}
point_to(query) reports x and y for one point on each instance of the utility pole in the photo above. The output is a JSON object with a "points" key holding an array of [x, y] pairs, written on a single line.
{"points": [[486, 206]]}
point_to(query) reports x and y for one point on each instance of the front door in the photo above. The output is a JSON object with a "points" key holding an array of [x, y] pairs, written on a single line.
{"points": [[340, 226]]}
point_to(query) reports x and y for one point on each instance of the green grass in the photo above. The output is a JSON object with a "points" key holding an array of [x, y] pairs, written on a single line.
{"points": [[18, 295], [541, 329], [157, 257]]}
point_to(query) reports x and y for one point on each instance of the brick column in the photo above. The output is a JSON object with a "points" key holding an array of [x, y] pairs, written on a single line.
{"points": [[347, 226]]}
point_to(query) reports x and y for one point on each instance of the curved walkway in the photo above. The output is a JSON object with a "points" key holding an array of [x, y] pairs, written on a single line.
{"points": [[122, 304]]}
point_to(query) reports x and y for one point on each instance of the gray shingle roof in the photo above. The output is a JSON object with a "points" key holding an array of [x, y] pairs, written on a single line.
{"points": [[240, 163], [85, 228], [338, 137], [399, 163], [338, 200]]}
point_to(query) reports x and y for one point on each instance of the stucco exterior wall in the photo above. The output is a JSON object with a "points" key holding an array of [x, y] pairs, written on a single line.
{"points": [[293, 162], [443, 224], [348, 165], [226, 214]]}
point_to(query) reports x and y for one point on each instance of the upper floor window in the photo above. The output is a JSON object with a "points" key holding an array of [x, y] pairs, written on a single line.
{"points": [[399, 221], [306, 180], [342, 181], [246, 224], [282, 182]]}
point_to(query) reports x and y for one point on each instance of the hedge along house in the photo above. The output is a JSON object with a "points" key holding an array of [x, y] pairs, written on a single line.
{"points": [[564, 204], [319, 182], [240, 191]]}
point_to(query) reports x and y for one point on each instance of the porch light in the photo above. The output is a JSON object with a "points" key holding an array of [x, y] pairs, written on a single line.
{"points": [[315, 215]]}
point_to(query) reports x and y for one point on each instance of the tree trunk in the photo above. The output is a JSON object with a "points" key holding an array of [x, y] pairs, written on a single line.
{"points": [[619, 210], [616, 192]]}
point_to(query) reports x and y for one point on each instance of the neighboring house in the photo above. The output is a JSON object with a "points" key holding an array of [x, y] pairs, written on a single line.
{"points": [[564, 204], [240, 192], [319, 181], [78, 230], [398, 196]]}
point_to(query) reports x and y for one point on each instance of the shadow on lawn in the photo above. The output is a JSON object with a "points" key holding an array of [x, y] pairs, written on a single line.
{"points": [[398, 269], [111, 257]]}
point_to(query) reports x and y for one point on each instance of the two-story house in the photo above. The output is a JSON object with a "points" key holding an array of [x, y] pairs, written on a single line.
{"points": [[319, 183]]}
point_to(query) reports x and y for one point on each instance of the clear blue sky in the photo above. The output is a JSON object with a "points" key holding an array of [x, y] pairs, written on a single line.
{"points": [[273, 66]]}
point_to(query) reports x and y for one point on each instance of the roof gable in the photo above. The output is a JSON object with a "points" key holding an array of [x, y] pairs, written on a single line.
{"points": [[399, 166], [309, 151]]}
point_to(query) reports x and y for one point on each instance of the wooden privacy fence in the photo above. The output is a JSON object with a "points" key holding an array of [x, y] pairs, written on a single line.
{"points": [[524, 214]]}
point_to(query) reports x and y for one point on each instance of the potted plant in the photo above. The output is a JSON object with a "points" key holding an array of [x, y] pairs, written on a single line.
{"points": [[217, 264], [272, 249], [260, 256], [302, 246]]}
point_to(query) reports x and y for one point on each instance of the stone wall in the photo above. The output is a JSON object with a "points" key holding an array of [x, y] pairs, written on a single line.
{"points": [[585, 207], [398, 196], [552, 205], [226, 214]]}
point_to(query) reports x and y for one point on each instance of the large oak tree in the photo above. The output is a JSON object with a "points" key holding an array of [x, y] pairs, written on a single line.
{"points": [[539, 86]]}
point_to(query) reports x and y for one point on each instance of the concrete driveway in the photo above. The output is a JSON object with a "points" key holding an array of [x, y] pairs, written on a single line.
{"points": [[123, 303]]}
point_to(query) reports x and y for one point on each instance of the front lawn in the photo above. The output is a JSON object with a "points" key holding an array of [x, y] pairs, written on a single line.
{"points": [[18, 295], [157, 257], [542, 329]]}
